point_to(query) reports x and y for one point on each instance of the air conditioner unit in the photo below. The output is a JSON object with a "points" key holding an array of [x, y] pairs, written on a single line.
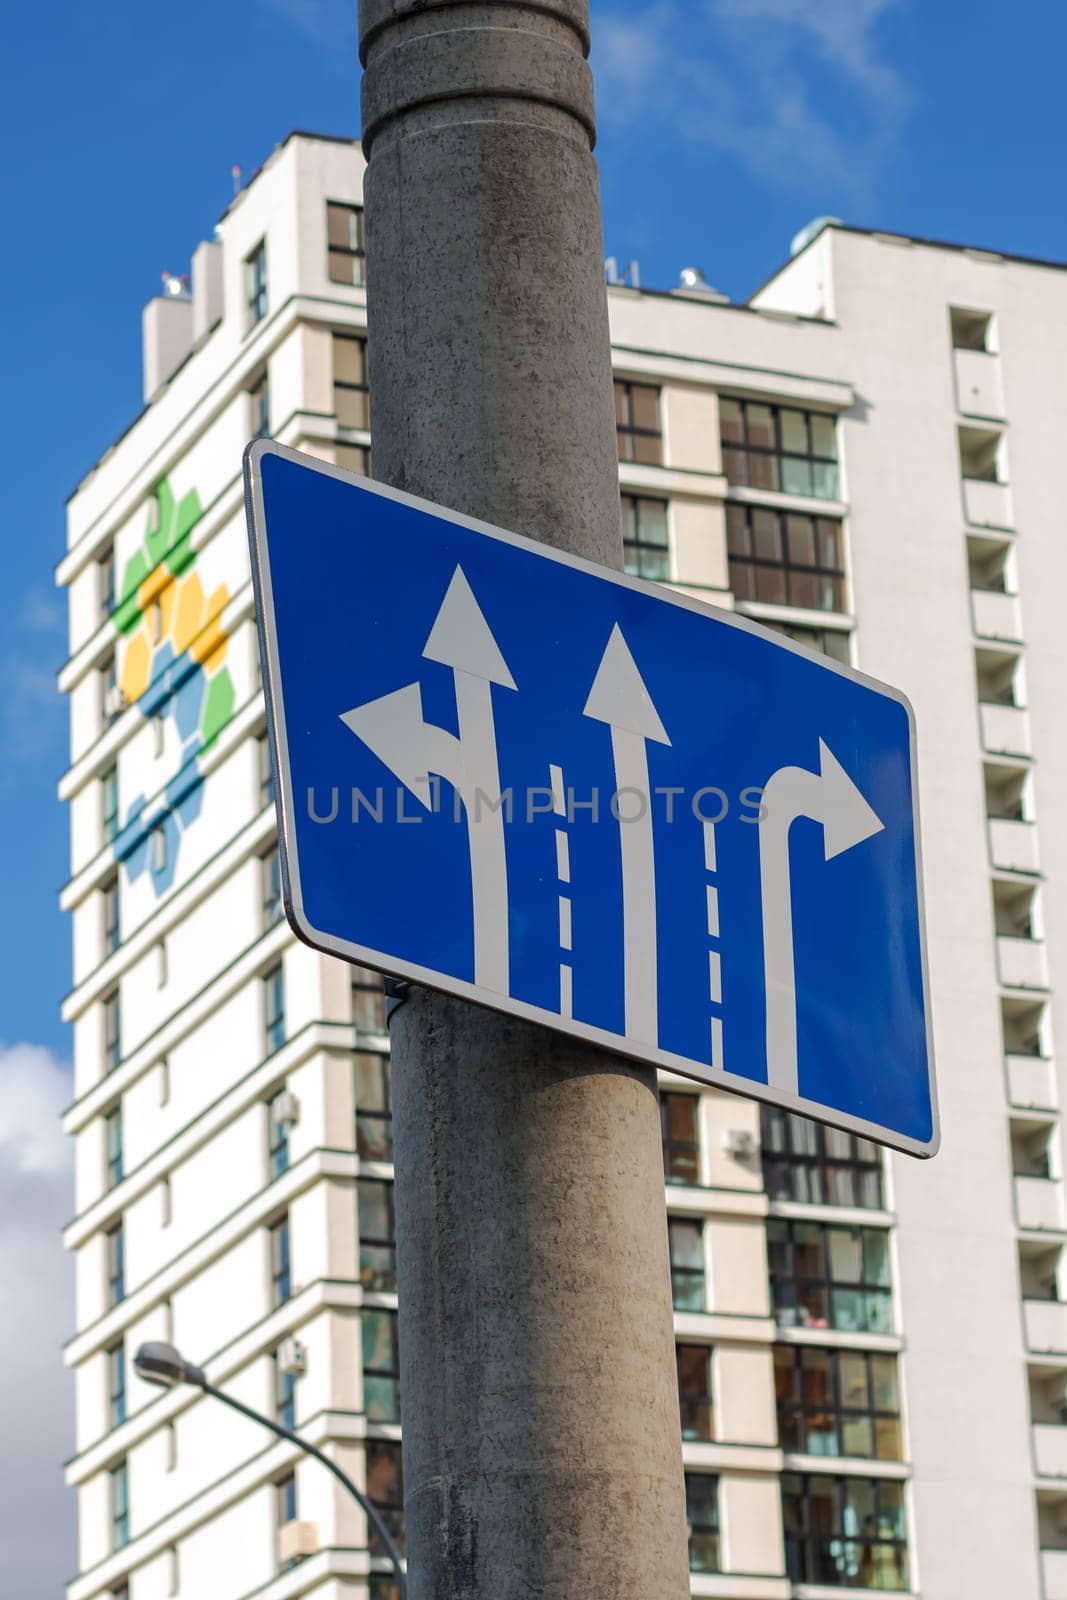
{"points": [[286, 1110], [739, 1142], [297, 1539], [115, 700], [292, 1358]]}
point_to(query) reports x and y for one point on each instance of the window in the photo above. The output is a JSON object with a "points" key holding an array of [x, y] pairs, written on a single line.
{"points": [[105, 582], [785, 558], [281, 1276], [385, 1490], [116, 1384], [980, 455], [804, 1161], [285, 1508], [264, 771], [832, 642], [971, 330], [277, 1135], [121, 1593], [115, 1250], [826, 1276], [256, 285], [645, 548], [837, 1402], [377, 1234], [119, 1487], [159, 734], [171, 1441], [345, 250], [162, 965], [778, 448], [110, 903], [681, 1139], [274, 1007], [846, 1532], [113, 1145], [637, 422], [351, 394], [694, 1391], [109, 707], [284, 1393], [374, 1109], [381, 1366], [353, 458], [164, 1081], [368, 1000], [702, 1515], [112, 1031], [109, 804], [159, 848], [270, 872], [686, 1239], [259, 406], [172, 1570]]}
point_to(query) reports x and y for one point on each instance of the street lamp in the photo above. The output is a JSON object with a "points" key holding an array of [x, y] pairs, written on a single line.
{"points": [[164, 1366]]}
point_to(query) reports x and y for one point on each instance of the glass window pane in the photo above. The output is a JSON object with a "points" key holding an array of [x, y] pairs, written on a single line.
{"points": [[805, 589], [846, 1255], [800, 533], [762, 472], [760, 426], [796, 476], [770, 585], [829, 543], [875, 1256], [353, 410], [730, 421], [816, 1378], [803, 1136], [823, 481], [852, 1374], [887, 1440], [646, 448], [884, 1392], [794, 428], [348, 360], [375, 1221], [622, 403], [370, 1083], [687, 1244], [644, 405], [823, 441], [743, 580], [734, 464], [652, 521], [338, 224], [766, 535], [379, 1340], [738, 542]]}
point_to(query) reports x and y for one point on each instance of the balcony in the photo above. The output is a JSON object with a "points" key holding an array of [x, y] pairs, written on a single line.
{"points": [[978, 387], [1022, 963], [1054, 1573], [1050, 1449], [1031, 1083], [996, 615], [1013, 844], [1046, 1326], [1005, 729], [1039, 1203], [987, 504]]}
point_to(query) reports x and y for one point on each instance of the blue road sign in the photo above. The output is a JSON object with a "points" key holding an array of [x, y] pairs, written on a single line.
{"points": [[570, 795]]}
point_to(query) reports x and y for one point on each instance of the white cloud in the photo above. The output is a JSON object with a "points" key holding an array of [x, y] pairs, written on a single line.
{"points": [[36, 1278], [31, 715], [747, 78], [331, 24]]}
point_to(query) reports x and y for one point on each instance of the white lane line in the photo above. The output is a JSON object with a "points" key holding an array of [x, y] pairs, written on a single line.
{"points": [[564, 922], [713, 911], [563, 856], [715, 977], [564, 990], [716, 1043], [555, 781], [709, 847]]}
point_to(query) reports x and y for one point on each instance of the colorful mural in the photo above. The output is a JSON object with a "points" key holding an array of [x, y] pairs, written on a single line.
{"points": [[173, 664]]}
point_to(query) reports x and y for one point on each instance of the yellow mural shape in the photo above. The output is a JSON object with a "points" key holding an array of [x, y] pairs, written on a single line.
{"points": [[189, 614], [135, 666], [210, 648]]}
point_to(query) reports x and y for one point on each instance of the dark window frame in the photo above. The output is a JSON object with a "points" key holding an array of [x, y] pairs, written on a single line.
{"points": [[696, 1398], [353, 254], [836, 1556], [631, 434], [277, 1138], [284, 1394], [119, 1504], [347, 385], [681, 1156], [681, 1272], [368, 1001], [115, 1253], [274, 1032], [646, 558], [829, 580], [116, 1383], [795, 1293], [777, 452], [272, 909], [391, 1505], [111, 908], [807, 1416], [259, 401], [105, 582], [386, 1376], [369, 1118], [836, 643], [112, 1014], [704, 1521], [255, 265], [114, 1164], [377, 1254], [819, 1176], [109, 804], [264, 770], [281, 1261]]}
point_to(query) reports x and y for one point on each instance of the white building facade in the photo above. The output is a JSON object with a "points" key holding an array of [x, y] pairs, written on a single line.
{"points": [[872, 1352]]}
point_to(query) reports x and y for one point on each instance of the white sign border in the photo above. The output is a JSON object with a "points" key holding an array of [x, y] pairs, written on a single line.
{"points": [[330, 944]]}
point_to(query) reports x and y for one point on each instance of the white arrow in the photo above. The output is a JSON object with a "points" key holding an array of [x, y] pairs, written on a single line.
{"points": [[830, 797], [412, 748], [619, 698]]}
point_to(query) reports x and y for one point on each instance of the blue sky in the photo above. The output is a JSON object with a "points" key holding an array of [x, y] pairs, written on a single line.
{"points": [[725, 125]]}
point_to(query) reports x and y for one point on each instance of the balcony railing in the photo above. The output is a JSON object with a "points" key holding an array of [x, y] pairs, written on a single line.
{"points": [[1050, 1449], [1031, 1082], [985, 504], [978, 387], [1005, 729], [996, 615], [1046, 1326], [1039, 1203], [1054, 1572], [1013, 845], [1022, 963]]}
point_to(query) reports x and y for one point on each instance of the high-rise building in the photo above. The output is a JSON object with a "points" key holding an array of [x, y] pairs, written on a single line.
{"points": [[872, 1351]]}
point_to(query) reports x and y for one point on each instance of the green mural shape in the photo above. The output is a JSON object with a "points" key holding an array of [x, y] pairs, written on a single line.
{"points": [[168, 538], [218, 705], [128, 610]]}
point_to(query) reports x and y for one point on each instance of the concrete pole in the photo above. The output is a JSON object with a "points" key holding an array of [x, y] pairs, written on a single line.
{"points": [[541, 1435]]}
